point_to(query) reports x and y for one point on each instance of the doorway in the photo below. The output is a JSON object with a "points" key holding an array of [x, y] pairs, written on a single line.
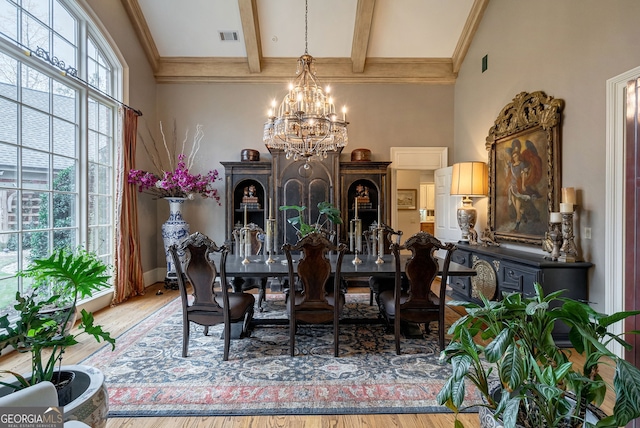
{"points": [[409, 167], [615, 198]]}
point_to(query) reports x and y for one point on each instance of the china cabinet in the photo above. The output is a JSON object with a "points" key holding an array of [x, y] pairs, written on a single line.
{"points": [[283, 181]]}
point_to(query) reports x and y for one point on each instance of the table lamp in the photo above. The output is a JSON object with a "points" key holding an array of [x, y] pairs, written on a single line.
{"points": [[469, 179]]}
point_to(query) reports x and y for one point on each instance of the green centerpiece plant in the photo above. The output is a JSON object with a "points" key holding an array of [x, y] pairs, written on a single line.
{"points": [[44, 328], [327, 213], [506, 349]]}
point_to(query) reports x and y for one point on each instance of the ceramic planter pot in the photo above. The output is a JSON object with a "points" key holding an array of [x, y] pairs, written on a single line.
{"points": [[89, 400]]}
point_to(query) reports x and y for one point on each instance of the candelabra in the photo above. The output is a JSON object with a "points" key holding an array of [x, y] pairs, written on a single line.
{"points": [[270, 244]]}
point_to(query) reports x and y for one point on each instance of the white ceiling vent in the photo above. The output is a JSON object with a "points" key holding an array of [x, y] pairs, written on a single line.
{"points": [[228, 36]]}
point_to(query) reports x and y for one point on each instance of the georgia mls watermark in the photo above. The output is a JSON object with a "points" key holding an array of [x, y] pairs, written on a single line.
{"points": [[31, 417]]}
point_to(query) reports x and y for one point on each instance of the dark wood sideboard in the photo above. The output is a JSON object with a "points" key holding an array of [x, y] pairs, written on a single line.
{"points": [[503, 270]]}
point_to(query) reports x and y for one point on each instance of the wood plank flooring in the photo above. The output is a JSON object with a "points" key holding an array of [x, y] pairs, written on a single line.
{"points": [[120, 318]]}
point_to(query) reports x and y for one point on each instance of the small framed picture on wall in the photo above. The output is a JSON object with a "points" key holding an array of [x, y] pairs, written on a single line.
{"points": [[407, 199]]}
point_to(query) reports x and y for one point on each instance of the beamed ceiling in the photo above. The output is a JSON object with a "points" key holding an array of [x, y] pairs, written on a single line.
{"points": [[367, 41]]}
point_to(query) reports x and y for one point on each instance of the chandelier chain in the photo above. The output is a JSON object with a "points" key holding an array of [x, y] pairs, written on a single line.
{"points": [[306, 27]]}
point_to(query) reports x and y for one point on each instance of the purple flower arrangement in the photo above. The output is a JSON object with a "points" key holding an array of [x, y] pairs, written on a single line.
{"points": [[178, 184]]}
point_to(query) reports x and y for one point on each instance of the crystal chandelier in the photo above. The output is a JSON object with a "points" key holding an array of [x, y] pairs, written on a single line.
{"points": [[305, 125]]}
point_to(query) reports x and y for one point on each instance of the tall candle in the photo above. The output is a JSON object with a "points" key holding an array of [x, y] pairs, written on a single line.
{"points": [[379, 215], [569, 195], [245, 215], [270, 205], [356, 204], [555, 217]]}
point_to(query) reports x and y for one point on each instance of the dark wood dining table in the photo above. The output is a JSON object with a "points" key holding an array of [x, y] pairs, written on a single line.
{"points": [[258, 268]]}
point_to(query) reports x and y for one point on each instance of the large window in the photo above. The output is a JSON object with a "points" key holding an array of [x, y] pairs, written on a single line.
{"points": [[58, 79]]}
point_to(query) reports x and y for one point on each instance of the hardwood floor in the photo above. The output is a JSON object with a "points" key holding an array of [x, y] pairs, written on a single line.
{"points": [[120, 318]]}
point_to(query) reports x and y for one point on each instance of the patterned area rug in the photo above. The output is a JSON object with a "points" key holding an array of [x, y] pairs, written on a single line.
{"points": [[147, 376]]}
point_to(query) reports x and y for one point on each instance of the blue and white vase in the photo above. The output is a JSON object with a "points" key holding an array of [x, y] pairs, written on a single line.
{"points": [[174, 231]]}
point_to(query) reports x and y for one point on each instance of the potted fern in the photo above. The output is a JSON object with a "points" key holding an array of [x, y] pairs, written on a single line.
{"points": [[506, 349], [46, 333]]}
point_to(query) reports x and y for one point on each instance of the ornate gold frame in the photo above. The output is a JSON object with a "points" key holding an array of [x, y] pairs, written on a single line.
{"points": [[530, 122]]}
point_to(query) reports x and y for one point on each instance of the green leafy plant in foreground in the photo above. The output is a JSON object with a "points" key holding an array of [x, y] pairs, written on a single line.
{"points": [[46, 333], [510, 342]]}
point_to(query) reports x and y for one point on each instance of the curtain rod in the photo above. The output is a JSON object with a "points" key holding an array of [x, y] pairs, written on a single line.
{"points": [[66, 71]]}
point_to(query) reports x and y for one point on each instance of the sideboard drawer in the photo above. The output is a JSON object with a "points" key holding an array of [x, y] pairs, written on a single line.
{"points": [[462, 258], [514, 277]]}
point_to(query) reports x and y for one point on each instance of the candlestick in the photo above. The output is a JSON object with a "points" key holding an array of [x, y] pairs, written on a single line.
{"points": [[357, 236], [379, 260], [568, 250], [270, 244], [351, 235]]}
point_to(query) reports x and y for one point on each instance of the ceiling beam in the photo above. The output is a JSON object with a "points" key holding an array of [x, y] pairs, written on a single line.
{"points": [[142, 30], [251, 31], [361, 32], [330, 70], [469, 30]]}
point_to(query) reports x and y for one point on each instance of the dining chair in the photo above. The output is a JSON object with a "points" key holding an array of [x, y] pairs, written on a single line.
{"points": [[210, 305], [256, 241], [314, 302], [377, 284], [418, 304]]}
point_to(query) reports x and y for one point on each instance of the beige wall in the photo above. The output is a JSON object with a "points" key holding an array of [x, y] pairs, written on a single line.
{"points": [[233, 115], [567, 49]]}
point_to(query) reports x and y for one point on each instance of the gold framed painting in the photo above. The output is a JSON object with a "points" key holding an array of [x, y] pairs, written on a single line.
{"points": [[407, 199], [524, 167]]}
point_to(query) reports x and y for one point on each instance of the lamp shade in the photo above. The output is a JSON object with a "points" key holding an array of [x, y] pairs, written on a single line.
{"points": [[470, 179]]}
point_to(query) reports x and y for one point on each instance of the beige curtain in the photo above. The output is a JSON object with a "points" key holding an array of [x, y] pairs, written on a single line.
{"points": [[127, 267]]}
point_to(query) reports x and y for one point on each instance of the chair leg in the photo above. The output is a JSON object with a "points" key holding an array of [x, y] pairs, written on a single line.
{"points": [[185, 337], [261, 294], [206, 330], [370, 297], [227, 340], [292, 336], [336, 336], [396, 332]]}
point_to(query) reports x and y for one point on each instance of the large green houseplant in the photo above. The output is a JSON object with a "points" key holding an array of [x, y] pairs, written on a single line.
{"points": [[534, 375], [46, 333], [326, 213]]}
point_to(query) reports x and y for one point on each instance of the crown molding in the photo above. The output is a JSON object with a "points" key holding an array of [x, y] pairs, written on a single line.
{"points": [[377, 70]]}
